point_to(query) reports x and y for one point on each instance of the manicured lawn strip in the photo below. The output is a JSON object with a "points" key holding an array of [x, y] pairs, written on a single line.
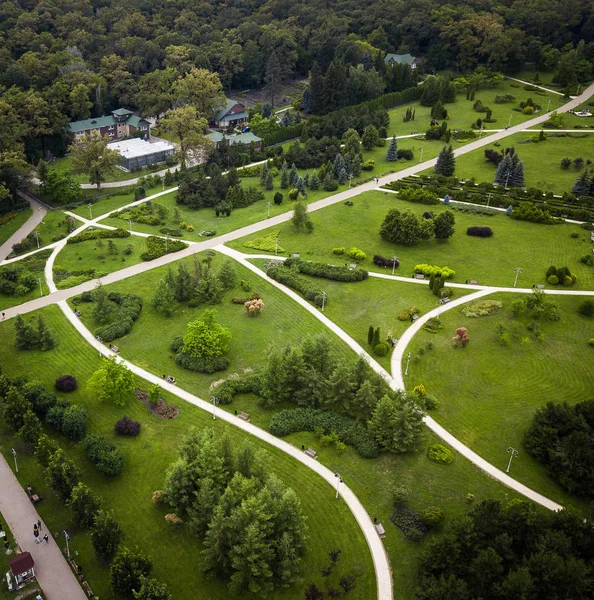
{"points": [[541, 160], [490, 261], [8, 228], [281, 322], [489, 392], [175, 554], [33, 264], [50, 230], [4, 593], [463, 115], [87, 255]]}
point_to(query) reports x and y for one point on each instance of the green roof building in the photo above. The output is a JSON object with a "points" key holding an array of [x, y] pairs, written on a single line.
{"points": [[402, 59], [119, 124]]}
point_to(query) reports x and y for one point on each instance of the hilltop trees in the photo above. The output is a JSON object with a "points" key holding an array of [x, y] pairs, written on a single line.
{"points": [[90, 155]]}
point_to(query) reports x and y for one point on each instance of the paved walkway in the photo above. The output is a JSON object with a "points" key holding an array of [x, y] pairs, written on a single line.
{"points": [[396, 380], [53, 573], [39, 211], [376, 546], [540, 87]]}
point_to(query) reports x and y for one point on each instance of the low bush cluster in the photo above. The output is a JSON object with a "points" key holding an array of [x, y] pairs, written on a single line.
{"points": [[432, 325], [526, 211], [129, 308], [227, 389], [16, 281], [199, 364], [389, 263], [68, 419], [291, 278], [126, 426], [440, 454], [419, 195], [481, 308], [156, 247], [325, 271], [104, 455], [266, 243], [560, 276], [309, 419], [483, 232], [356, 254], [407, 314], [410, 523], [66, 383], [94, 234], [425, 269]]}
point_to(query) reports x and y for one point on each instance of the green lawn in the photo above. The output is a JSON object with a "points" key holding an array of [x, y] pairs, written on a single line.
{"points": [[462, 114], [542, 161], [33, 264], [489, 392], [14, 224], [64, 165], [52, 229], [147, 458], [491, 261], [96, 254]]}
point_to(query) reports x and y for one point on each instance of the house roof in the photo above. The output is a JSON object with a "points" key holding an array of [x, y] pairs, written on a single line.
{"points": [[229, 104], [121, 112], [400, 58], [234, 116], [242, 138], [136, 147], [106, 121], [21, 563]]}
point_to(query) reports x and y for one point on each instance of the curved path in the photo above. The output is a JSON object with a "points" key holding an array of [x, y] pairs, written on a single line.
{"points": [[39, 211], [378, 553]]}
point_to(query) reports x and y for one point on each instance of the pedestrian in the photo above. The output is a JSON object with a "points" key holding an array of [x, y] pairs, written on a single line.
{"points": [[39, 524], [3, 316], [35, 527], [46, 538]]}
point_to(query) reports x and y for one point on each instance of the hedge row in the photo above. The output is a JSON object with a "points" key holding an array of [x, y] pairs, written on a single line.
{"points": [[130, 307], [381, 261], [292, 279], [425, 269], [93, 234], [156, 247], [292, 420], [104, 455], [325, 271], [418, 195], [201, 365], [483, 232], [229, 388]]}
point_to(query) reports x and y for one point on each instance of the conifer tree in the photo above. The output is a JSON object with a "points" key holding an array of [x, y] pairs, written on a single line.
{"points": [[376, 337], [269, 182], [517, 176], [583, 184], [263, 174], [163, 300], [284, 176], [446, 163], [370, 335], [314, 182], [293, 175], [44, 339], [342, 176], [392, 152], [24, 334]]}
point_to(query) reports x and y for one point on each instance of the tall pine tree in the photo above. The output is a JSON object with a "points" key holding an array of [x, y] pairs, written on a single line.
{"points": [[446, 163], [392, 152]]}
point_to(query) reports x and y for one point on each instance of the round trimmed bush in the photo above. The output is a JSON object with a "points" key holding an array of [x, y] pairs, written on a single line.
{"points": [[440, 454], [66, 383], [567, 281], [430, 402], [433, 516], [591, 341], [586, 308], [293, 194], [553, 279], [381, 349]]}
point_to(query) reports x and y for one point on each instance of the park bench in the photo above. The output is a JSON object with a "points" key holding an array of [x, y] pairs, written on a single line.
{"points": [[244, 416], [87, 588], [380, 529], [445, 300], [311, 452], [352, 266], [540, 286], [419, 276], [114, 348], [473, 282], [414, 318], [33, 496]]}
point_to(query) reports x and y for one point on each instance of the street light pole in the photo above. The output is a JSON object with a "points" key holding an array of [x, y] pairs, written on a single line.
{"points": [[407, 363], [100, 340], [90, 210], [488, 199], [548, 105], [276, 246], [40, 288], [16, 467], [513, 453], [268, 205], [508, 175], [510, 118], [421, 158], [37, 238], [394, 264], [517, 271], [130, 221], [67, 538], [214, 401], [338, 482], [324, 296]]}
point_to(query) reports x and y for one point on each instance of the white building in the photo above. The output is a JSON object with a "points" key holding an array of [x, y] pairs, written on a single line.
{"points": [[140, 153]]}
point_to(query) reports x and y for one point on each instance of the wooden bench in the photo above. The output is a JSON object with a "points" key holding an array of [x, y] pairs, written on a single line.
{"points": [[380, 529], [114, 348], [311, 452], [244, 416], [540, 286], [445, 300], [87, 588], [414, 318], [419, 276], [473, 282]]}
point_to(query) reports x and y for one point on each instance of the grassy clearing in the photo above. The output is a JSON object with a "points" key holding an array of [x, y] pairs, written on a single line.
{"points": [[489, 392], [96, 254], [463, 115], [64, 165], [147, 458], [541, 160], [13, 224], [490, 261], [34, 265], [52, 229]]}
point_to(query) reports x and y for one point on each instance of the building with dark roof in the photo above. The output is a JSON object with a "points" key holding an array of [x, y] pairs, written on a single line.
{"points": [[22, 568], [402, 59], [232, 115], [116, 126], [246, 139]]}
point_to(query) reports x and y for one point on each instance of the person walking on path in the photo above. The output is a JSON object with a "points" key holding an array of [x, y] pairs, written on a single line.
{"points": [[46, 538], [39, 524]]}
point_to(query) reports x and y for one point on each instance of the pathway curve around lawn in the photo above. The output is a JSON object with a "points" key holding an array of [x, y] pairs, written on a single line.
{"points": [[53, 573], [397, 381], [379, 556], [39, 211]]}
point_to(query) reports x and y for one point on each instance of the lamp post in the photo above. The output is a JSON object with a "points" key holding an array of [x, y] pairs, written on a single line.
{"points": [[90, 210], [488, 199], [350, 180], [338, 482], [513, 453], [517, 271], [324, 296], [100, 340], [507, 176], [510, 118], [578, 89], [268, 205], [130, 222], [40, 288], [67, 538], [16, 467], [214, 401], [394, 264], [548, 105], [407, 363], [166, 245], [37, 238], [276, 246], [421, 158]]}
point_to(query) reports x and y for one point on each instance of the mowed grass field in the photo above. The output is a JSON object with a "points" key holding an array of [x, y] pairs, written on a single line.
{"points": [[489, 392], [34, 265], [542, 160], [490, 261], [175, 555]]}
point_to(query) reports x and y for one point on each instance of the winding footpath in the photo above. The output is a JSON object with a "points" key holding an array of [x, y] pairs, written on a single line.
{"points": [[39, 211]]}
